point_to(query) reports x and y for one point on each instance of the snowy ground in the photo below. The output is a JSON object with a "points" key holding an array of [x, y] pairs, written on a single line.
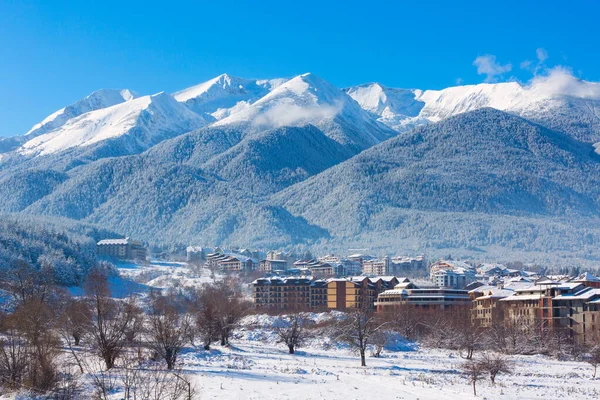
{"points": [[257, 368], [165, 274]]}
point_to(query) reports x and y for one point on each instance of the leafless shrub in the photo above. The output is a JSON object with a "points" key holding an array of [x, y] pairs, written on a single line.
{"points": [[292, 330], [474, 371], [155, 383], [358, 329], [495, 364], [593, 358]]}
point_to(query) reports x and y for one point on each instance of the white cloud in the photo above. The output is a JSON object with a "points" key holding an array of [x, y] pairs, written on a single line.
{"points": [[560, 81], [488, 66], [539, 66], [542, 55], [286, 114], [526, 64]]}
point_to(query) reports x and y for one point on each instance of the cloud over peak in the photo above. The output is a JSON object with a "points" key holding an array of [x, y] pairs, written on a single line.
{"points": [[488, 66]]}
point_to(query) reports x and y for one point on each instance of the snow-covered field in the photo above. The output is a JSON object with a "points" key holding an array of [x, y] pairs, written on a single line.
{"points": [[256, 367], [165, 274]]}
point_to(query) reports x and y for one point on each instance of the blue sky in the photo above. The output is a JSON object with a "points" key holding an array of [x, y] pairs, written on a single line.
{"points": [[53, 53]]}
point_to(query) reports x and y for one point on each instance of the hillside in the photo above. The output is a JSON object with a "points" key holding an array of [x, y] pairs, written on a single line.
{"points": [[468, 181], [298, 162], [62, 248]]}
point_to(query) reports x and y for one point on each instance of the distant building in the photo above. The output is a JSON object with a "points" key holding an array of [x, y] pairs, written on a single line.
{"points": [[231, 263], [195, 253], [402, 265], [273, 265], [123, 249], [487, 309], [309, 293], [425, 300], [452, 274], [284, 293], [378, 266]]}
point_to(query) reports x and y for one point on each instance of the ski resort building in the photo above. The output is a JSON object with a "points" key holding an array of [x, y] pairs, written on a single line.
{"points": [[452, 274], [123, 249], [333, 294], [431, 299]]}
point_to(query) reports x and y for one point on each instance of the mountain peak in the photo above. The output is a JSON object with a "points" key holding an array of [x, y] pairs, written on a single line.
{"points": [[148, 117], [94, 101]]}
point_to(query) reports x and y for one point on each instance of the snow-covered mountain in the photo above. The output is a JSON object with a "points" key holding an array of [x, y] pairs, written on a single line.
{"points": [[145, 120], [300, 161], [557, 99], [397, 108], [308, 99], [97, 100], [225, 95]]}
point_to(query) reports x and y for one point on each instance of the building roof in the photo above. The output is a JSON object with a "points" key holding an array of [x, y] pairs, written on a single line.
{"points": [[586, 277], [114, 241], [581, 295], [522, 297]]}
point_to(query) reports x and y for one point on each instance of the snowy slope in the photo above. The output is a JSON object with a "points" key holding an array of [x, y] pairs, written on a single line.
{"points": [[146, 119], [539, 100], [308, 99], [394, 107], [225, 95], [97, 100]]}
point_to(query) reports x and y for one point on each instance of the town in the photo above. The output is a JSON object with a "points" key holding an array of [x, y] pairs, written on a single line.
{"points": [[482, 295]]}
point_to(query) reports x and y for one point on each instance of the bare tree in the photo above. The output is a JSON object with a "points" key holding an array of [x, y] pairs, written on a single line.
{"points": [[593, 358], [465, 337], [110, 319], [231, 308], [494, 364], [29, 348], [155, 383], [474, 371], [292, 330], [205, 309], [358, 329], [168, 328], [26, 283], [14, 355], [378, 341], [406, 322]]}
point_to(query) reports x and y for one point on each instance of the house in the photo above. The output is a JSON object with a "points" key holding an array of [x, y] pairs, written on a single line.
{"points": [[123, 249], [231, 263]]}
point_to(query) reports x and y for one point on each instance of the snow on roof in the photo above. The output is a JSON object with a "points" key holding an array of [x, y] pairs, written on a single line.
{"points": [[394, 292], [387, 278], [587, 277], [492, 291], [522, 297], [191, 249], [114, 241], [581, 295]]}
